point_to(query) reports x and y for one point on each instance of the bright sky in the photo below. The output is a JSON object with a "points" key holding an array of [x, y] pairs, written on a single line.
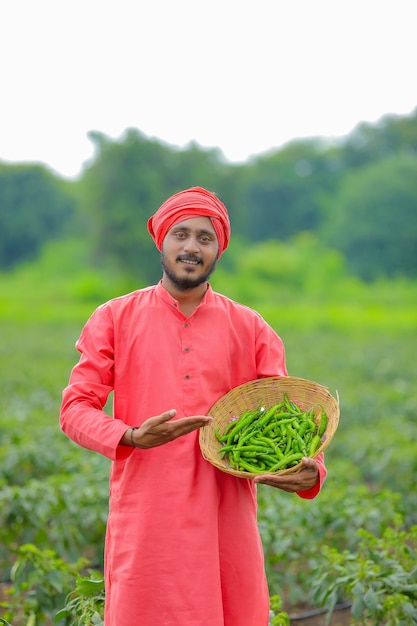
{"points": [[242, 76]]}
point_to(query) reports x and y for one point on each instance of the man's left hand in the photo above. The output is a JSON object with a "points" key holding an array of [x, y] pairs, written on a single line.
{"points": [[304, 479]]}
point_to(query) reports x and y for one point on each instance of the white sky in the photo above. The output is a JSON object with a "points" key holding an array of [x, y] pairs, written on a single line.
{"points": [[242, 76]]}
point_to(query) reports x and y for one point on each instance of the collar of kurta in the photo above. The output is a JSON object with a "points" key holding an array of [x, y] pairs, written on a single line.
{"points": [[166, 297]]}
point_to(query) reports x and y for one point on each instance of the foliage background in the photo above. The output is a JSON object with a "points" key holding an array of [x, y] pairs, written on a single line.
{"points": [[323, 246]]}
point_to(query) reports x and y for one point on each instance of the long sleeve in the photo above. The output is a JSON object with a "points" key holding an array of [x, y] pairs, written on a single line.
{"points": [[82, 416]]}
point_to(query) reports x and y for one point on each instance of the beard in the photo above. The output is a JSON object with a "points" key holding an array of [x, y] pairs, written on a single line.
{"points": [[184, 283]]}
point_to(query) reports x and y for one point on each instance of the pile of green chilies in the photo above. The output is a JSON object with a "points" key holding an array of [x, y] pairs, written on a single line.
{"points": [[271, 439]]}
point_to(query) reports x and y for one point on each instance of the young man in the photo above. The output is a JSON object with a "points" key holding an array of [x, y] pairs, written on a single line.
{"points": [[182, 543]]}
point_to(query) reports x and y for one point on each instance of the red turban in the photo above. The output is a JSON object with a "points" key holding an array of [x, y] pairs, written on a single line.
{"points": [[194, 202]]}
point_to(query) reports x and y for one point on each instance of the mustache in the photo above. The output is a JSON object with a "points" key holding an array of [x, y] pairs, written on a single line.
{"points": [[189, 257]]}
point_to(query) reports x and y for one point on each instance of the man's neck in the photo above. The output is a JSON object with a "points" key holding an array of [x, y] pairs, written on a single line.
{"points": [[188, 299]]}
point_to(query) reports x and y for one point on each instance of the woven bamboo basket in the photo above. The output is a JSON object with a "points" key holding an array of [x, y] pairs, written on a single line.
{"points": [[267, 392]]}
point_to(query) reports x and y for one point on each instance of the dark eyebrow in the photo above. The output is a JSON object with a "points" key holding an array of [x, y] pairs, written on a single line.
{"points": [[201, 231]]}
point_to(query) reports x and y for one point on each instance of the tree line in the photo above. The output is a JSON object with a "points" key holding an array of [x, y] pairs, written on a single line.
{"points": [[357, 195]]}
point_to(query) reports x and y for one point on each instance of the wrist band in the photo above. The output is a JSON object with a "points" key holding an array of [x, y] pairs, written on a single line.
{"points": [[131, 436]]}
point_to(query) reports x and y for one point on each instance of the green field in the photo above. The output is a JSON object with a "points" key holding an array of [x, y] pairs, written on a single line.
{"points": [[360, 343]]}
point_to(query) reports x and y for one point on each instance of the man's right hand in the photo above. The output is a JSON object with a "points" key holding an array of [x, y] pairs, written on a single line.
{"points": [[161, 429]]}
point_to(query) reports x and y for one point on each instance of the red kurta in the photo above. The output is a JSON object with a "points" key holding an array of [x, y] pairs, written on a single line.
{"points": [[182, 543]]}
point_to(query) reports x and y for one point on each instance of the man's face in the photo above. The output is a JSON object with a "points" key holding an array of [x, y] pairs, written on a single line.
{"points": [[189, 252]]}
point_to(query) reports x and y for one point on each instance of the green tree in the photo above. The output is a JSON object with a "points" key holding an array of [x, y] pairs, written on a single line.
{"points": [[373, 218], [368, 143], [283, 190], [35, 205], [274, 196], [125, 184]]}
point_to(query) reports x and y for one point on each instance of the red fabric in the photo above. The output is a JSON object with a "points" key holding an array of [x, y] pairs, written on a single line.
{"points": [[182, 544], [193, 202]]}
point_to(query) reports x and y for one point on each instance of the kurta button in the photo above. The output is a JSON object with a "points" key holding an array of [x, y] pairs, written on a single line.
{"points": [[187, 376], [186, 349]]}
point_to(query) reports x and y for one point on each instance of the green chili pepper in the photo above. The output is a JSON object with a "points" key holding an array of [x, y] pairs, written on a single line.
{"points": [[252, 448], [270, 413], [314, 444], [220, 437], [268, 441], [286, 461], [291, 406], [279, 453], [241, 423], [249, 467], [227, 430], [301, 444], [289, 445], [323, 423], [271, 439]]}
